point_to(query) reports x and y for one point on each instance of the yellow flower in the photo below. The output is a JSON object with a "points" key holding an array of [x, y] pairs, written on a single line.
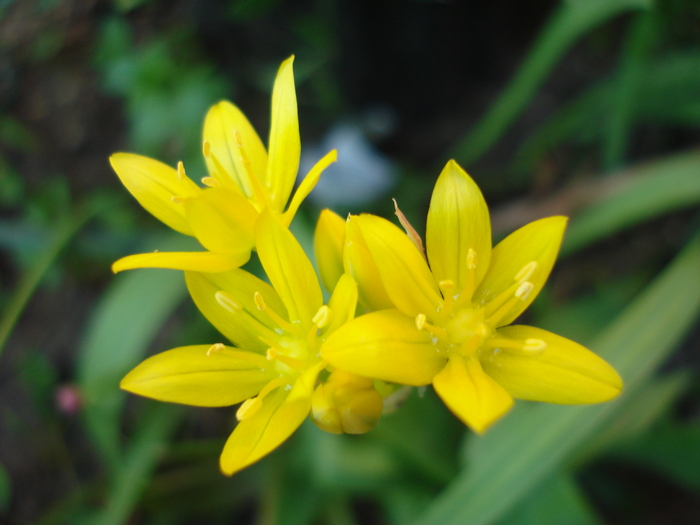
{"points": [[243, 181], [448, 324], [279, 330]]}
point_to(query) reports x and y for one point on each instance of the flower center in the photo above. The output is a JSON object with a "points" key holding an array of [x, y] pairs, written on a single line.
{"points": [[466, 324]]}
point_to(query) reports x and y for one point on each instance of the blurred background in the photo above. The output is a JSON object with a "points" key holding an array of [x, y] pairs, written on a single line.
{"points": [[588, 108]]}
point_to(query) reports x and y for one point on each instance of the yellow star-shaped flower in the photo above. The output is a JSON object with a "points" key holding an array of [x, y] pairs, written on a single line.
{"points": [[279, 331], [446, 323], [244, 180]]}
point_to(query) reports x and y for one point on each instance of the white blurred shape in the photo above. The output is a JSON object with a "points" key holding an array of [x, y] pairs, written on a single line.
{"points": [[361, 174]]}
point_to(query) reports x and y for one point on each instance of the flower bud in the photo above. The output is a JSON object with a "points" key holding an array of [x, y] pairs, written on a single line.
{"points": [[346, 403]]}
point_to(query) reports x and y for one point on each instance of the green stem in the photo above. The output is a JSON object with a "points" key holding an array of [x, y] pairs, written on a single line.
{"points": [[571, 20], [635, 52], [30, 280]]}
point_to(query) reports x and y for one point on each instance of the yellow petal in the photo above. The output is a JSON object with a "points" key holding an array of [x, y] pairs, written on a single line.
{"points": [[200, 375], [197, 261], [281, 413], [328, 247], [403, 271], [233, 141], [222, 220], [154, 185], [288, 269], [470, 394], [284, 145], [565, 372], [458, 221], [235, 314], [308, 184], [343, 303], [358, 262], [384, 345], [536, 242]]}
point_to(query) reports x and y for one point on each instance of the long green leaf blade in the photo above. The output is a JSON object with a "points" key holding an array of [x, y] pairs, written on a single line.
{"points": [[536, 439], [571, 20]]}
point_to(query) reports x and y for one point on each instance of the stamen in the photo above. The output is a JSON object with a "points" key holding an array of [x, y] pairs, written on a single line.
{"points": [[260, 195], [524, 290], [422, 324], [217, 347], [446, 288], [206, 151], [292, 362], [228, 302], [470, 283], [529, 347], [526, 271], [497, 302], [181, 175], [248, 408], [274, 316], [535, 346], [323, 317], [177, 200], [210, 181]]}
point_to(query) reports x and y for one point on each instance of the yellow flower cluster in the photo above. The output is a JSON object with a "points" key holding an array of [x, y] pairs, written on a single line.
{"points": [[439, 317]]}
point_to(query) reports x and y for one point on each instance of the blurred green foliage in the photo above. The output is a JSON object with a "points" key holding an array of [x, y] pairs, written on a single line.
{"points": [[627, 285]]}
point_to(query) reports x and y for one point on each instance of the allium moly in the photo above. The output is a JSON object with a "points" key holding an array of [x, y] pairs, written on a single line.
{"points": [[274, 370], [448, 315], [244, 180]]}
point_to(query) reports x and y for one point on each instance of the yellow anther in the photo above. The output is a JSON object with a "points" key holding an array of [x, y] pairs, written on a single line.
{"points": [[177, 200], [217, 347], [323, 316], [469, 283], [218, 168], [259, 301], [228, 302], [181, 175], [292, 362], [274, 316], [534, 346], [524, 290], [526, 271], [528, 347], [248, 408], [210, 181], [471, 259], [446, 287], [422, 324]]}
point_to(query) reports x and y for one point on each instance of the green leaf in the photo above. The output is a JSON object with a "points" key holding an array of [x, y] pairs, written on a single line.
{"points": [[663, 91], [568, 23], [120, 331], [535, 440], [647, 191], [673, 449], [638, 412], [556, 498], [139, 460]]}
